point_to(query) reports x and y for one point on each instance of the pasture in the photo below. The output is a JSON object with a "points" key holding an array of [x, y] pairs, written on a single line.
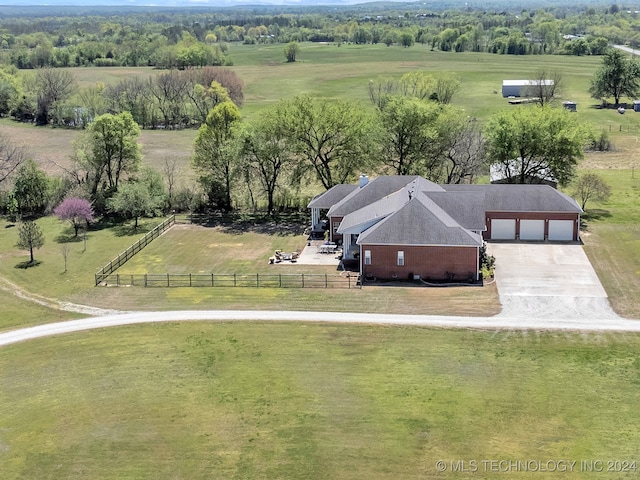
{"points": [[280, 400]]}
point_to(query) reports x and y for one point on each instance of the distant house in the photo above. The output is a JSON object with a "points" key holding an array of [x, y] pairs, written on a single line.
{"points": [[516, 88], [406, 227]]}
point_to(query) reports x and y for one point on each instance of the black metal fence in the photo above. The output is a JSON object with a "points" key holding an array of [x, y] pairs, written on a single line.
{"points": [[257, 280], [121, 259]]}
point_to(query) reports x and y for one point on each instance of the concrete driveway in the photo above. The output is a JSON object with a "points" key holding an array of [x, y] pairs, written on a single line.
{"points": [[548, 281]]}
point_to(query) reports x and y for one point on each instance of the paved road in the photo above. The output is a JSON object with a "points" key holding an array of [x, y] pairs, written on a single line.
{"points": [[491, 323]]}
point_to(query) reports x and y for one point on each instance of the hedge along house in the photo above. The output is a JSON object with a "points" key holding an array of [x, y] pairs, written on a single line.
{"points": [[408, 227]]}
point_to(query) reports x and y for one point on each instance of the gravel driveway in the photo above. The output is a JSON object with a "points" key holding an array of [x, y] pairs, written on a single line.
{"points": [[541, 280]]}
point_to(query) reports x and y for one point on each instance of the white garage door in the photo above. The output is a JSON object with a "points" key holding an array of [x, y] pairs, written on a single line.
{"points": [[531, 229], [503, 229], [561, 230]]}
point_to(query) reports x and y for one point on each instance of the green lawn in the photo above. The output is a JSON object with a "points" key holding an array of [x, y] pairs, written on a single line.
{"points": [[228, 400]]}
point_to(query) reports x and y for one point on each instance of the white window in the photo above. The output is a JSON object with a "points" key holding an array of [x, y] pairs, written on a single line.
{"points": [[400, 258], [367, 257], [336, 226]]}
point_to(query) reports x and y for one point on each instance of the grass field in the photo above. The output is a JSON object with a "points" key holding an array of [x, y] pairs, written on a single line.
{"points": [[251, 400], [203, 401]]}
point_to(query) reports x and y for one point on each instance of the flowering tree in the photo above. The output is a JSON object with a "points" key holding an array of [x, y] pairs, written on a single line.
{"points": [[76, 211]]}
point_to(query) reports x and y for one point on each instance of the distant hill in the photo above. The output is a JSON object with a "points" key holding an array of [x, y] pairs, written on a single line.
{"points": [[510, 5]]}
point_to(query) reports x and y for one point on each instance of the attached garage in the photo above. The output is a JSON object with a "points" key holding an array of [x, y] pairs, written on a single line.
{"points": [[561, 230], [503, 229], [531, 229]]}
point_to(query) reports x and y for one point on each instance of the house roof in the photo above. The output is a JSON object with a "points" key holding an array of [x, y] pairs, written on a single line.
{"points": [[377, 189], [520, 198], [332, 196], [465, 207], [360, 220], [420, 221]]}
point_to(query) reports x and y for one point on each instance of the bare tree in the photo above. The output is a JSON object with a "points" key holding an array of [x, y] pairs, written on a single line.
{"points": [[170, 171], [64, 250], [466, 155], [11, 156], [53, 85], [170, 90], [591, 186], [545, 87]]}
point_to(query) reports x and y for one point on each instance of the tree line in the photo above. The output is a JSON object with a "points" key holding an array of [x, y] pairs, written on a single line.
{"points": [[183, 39], [172, 100]]}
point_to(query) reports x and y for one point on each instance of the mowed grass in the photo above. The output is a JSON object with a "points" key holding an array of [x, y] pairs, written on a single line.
{"points": [[281, 400], [195, 249]]}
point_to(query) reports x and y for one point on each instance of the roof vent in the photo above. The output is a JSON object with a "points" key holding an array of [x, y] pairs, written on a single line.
{"points": [[363, 180]]}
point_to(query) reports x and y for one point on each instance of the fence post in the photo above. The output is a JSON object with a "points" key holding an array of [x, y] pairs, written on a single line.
{"points": [[302, 280], [190, 280], [257, 280], [168, 280], [212, 279], [326, 281], [234, 280], [279, 280], [349, 281], [132, 282], [145, 280]]}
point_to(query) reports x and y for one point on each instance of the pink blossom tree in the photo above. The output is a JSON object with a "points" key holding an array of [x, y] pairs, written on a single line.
{"points": [[75, 211]]}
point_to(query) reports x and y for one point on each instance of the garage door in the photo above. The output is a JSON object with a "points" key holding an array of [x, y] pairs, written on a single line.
{"points": [[503, 229], [531, 229], [561, 230]]}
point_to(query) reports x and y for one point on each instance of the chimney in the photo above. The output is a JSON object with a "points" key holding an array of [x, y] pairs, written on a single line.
{"points": [[363, 180]]}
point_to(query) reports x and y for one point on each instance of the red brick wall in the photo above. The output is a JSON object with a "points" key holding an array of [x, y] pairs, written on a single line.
{"points": [[532, 216], [428, 262]]}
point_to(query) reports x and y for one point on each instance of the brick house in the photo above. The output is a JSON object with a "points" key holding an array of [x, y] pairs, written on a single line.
{"points": [[402, 227]]}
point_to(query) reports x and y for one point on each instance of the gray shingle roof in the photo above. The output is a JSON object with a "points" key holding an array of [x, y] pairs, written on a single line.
{"points": [[419, 222], [466, 208], [377, 189], [367, 216], [520, 198], [332, 196]]}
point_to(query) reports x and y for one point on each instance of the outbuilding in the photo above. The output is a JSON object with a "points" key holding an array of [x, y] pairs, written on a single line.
{"points": [[517, 88]]}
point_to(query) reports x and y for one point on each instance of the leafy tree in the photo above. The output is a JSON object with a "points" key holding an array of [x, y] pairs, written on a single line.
{"points": [[109, 151], [267, 154], [215, 153], [77, 211], [446, 86], [31, 189], [530, 143], [134, 200], [407, 39], [411, 135], [618, 76], [11, 156], [591, 186], [334, 139], [291, 51], [29, 237]]}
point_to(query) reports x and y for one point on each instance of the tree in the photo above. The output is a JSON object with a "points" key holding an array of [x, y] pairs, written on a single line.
{"points": [[407, 39], [291, 51], [52, 87], [545, 87], [29, 237], [411, 137], [77, 211], [618, 76], [591, 186], [531, 143], [446, 86], [110, 150], [134, 200], [466, 154], [215, 153], [11, 156], [334, 139], [267, 154], [31, 189]]}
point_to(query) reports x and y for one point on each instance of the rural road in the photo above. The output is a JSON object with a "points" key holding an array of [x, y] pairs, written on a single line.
{"points": [[498, 322]]}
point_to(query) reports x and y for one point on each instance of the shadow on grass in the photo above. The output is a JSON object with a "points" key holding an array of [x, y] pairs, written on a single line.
{"points": [[70, 237], [282, 224], [596, 214], [28, 264]]}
